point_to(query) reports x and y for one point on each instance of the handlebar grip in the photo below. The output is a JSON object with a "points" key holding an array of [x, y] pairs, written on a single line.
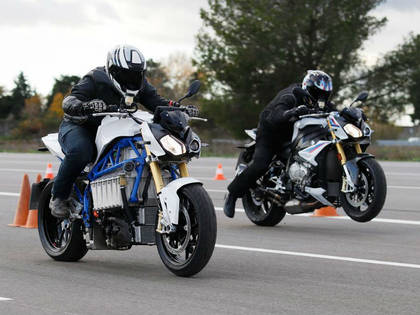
{"points": [[112, 108]]}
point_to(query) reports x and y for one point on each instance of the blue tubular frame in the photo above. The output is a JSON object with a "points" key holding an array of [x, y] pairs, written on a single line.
{"points": [[111, 162]]}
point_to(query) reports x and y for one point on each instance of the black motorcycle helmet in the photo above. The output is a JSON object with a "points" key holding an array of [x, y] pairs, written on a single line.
{"points": [[318, 84], [126, 67]]}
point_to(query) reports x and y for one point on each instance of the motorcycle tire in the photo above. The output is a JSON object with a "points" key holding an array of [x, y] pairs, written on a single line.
{"points": [[61, 239], [264, 214], [188, 250], [372, 195]]}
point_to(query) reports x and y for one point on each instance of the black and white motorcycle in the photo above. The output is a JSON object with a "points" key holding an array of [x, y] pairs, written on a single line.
{"points": [[137, 192], [325, 164]]}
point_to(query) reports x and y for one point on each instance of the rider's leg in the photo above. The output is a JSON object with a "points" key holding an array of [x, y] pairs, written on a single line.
{"points": [[264, 153], [78, 145]]}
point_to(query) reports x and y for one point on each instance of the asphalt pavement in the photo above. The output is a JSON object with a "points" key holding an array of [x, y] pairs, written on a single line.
{"points": [[304, 265]]}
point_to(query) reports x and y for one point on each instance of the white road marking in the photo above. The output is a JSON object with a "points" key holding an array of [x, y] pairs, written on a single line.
{"points": [[217, 190], [378, 220], [404, 187], [9, 194], [5, 299], [390, 186], [20, 170], [401, 174], [310, 255]]}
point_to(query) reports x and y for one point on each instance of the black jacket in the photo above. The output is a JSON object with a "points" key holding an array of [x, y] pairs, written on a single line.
{"points": [[97, 85], [274, 121]]}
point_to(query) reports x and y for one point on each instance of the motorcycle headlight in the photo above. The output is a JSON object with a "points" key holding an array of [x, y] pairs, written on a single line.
{"points": [[353, 131], [172, 145]]}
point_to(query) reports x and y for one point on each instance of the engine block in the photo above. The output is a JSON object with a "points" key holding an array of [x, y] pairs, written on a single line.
{"points": [[298, 172]]}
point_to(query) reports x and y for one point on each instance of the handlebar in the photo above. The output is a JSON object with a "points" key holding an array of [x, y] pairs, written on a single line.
{"points": [[315, 115]]}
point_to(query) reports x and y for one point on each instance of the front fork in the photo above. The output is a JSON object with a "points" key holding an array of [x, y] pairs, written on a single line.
{"points": [[348, 183], [158, 180]]}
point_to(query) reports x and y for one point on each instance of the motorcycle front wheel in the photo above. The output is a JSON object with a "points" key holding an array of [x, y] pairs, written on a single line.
{"points": [[367, 201], [187, 251], [61, 239]]}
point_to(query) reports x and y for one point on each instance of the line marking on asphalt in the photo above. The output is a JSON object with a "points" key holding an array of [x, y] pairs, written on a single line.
{"points": [[340, 258], [378, 220], [404, 187], [401, 174], [391, 186], [20, 170], [5, 299], [9, 194]]}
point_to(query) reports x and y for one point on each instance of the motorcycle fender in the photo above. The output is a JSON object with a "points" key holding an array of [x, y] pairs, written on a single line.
{"points": [[363, 156], [169, 199], [36, 191], [246, 146], [353, 168]]}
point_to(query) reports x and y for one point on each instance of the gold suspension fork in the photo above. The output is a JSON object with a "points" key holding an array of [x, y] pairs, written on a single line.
{"points": [[183, 170], [157, 178], [338, 145], [358, 148]]}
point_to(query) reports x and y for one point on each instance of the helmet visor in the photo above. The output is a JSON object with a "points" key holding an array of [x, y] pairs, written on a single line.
{"points": [[318, 94], [128, 79]]}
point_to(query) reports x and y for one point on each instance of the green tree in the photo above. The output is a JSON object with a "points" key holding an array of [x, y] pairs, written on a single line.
{"points": [[62, 85], [393, 82], [157, 77], [19, 94], [249, 50], [5, 103]]}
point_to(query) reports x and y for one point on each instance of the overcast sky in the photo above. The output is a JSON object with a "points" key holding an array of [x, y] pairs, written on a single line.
{"points": [[47, 38]]}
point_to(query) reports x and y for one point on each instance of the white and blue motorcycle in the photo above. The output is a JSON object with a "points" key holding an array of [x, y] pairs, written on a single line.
{"points": [[137, 192], [325, 164]]}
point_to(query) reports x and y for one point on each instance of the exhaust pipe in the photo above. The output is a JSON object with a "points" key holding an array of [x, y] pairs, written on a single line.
{"points": [[295, 206]]}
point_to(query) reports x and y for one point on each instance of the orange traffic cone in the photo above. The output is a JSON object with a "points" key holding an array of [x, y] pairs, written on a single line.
{"points": [[219, 173], [23, 204], [32, 220], [49, 173], [325, 212]]}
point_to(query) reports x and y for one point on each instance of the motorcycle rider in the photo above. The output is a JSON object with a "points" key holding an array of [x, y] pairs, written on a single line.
{"points": [[275, 128], [122, 76]]}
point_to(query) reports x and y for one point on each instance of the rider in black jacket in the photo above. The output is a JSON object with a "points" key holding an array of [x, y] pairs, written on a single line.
{"points": [[122, 77], [275, 127]]}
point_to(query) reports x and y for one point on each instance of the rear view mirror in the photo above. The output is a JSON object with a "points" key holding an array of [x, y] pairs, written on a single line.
{"points": [[193, 89], [361, 97]]}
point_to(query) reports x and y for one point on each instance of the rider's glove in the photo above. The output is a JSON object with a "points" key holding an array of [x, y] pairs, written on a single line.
{"points": [[301, 110], [191, 110], [174, 104], [297, 111], [94, 106]]}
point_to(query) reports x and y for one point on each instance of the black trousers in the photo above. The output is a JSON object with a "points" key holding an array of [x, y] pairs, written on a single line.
{"points": [[78, 145], [265, 149]]}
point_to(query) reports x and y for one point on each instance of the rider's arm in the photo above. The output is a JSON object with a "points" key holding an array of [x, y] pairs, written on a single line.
{"points": [[283, 111], [82, 92], [149, 98]]}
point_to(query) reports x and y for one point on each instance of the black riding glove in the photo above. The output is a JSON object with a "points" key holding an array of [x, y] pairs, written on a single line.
{"points": [[297, 111], [191, 110], [94, 106]]}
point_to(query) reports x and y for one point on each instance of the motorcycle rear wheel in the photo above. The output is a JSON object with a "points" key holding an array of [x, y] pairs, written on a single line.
{"points": [[61, 239], [188, 250], [367, 202], [264, 213]]}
